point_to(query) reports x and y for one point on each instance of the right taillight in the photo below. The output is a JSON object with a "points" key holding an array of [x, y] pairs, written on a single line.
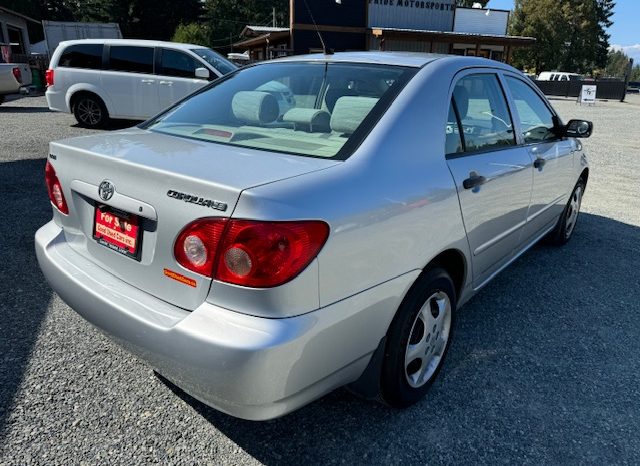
{"points": [[48, 77], [54, 188], [17, 74], [250, 253]]}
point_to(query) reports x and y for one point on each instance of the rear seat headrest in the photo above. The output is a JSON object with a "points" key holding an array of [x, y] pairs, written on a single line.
{"points": [[349, 112], [255, 107], [315, 120]]}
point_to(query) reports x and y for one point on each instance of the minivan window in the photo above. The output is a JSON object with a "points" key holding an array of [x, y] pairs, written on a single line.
{"points": [[178, 64], [216, 60], [87, 56], [256, 107], [483, 112], [132, 59]]}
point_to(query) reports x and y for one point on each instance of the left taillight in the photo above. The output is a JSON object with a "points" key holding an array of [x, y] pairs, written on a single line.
{"points": [[54, 188], [17, 74]]}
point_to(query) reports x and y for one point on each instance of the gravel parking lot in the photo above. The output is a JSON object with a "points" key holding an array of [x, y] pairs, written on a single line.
{"points": [[544, 366]]}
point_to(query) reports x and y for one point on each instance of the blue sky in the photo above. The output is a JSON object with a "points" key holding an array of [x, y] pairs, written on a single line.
{"points": [[625, 33]]}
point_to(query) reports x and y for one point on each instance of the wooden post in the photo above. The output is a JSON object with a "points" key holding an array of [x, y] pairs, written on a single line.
{"points": [[477, 49]]}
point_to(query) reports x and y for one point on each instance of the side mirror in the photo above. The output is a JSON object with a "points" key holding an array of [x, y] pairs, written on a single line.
{"points": [[202, 73], [578, 129]]}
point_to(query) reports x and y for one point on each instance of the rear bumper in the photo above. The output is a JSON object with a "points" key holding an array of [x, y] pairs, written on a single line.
{"points": [[250, 367], [56, 101]]}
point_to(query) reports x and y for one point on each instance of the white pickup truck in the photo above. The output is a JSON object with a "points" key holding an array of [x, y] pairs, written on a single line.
{"points": [[13, 76]]}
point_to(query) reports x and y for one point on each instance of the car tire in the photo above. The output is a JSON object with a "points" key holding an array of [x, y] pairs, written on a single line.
{"points": [[418, 339], [566, 225], [90, 111]]}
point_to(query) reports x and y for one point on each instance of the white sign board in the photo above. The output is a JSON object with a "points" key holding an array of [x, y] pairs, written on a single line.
{"points": [[412, 14], [588, 94]]}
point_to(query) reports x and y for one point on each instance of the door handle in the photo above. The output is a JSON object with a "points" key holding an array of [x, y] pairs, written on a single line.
{"points": [[539, 162], [474, 181], [167, 83], [148, 81]]}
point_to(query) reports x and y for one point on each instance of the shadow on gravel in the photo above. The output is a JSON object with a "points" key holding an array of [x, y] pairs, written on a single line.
{"points": [[543, 367], [10, 109], [24, 294]]}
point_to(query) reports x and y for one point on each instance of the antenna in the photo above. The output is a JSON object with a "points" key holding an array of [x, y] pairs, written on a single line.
{"points": [[324, 47]]}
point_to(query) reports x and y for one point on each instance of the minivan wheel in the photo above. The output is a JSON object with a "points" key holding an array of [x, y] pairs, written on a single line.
{"points": [[418, 339], [90, 112], [569, 218]]}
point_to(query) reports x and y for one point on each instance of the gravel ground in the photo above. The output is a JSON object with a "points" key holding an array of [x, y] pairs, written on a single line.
{"points": [[544, 367]]}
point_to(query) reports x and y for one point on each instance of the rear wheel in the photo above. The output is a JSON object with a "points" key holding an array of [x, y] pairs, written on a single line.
{"points": [[90, 112], [418, 339], [569, 218]]}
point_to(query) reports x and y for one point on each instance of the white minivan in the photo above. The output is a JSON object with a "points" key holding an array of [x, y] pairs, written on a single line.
{"points": [[99, 79]]}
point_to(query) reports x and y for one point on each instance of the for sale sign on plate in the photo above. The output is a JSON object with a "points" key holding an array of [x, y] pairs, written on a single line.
{"points": [[118, 231]]}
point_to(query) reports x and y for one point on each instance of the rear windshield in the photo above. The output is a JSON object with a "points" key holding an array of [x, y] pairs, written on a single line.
{"points": [[311, 109]]}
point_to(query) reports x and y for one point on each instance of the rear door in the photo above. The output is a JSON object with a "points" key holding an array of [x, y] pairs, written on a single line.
{"points": [[552, 156], [130, 83], [492, 173], [177, 76]]}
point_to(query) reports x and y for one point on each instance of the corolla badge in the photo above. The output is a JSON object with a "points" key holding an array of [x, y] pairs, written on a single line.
{"points": [[106, 190]]}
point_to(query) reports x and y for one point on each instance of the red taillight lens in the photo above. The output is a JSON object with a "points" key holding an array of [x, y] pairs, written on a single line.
{"points": [[17, 74], [250, 253], [196, 246], [54, 188], [266, 254], [48, 77]]}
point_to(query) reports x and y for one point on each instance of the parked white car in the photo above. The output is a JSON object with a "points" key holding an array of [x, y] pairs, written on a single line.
{"points": [[559, 76], [13, 76], [99, 79]]}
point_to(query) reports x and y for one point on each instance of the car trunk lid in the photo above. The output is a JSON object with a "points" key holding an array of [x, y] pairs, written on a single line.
{"points": [[155, 185]]}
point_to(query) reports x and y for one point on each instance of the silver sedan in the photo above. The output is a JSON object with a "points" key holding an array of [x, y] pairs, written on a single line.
{"points": [[311, 222]]}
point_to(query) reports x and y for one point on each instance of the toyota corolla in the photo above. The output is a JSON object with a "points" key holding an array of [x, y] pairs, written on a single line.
{"points": [[310, 223]]}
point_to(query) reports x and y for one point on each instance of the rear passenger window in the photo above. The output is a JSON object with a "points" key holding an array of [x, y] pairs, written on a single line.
{"points": [[87, 56], [178, 64], [484, 115], [536, 120], [453, 140], [132, 59]]}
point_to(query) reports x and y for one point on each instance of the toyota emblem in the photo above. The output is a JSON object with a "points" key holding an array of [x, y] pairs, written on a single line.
{"points": [[106, 190]]}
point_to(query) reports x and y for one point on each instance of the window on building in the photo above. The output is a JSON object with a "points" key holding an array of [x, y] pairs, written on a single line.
{"points": [[483, 112], [87, 56], [131, 59]]}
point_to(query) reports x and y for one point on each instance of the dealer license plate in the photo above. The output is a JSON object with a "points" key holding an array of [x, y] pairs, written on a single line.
{"points": [[117, 230]]}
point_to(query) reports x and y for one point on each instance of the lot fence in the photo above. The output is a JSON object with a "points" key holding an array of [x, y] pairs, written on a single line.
{"points": [[614, 89]]}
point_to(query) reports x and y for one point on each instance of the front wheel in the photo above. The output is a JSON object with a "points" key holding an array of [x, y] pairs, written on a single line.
{"points": [[567, 223], [418, 339], [90, 112]]}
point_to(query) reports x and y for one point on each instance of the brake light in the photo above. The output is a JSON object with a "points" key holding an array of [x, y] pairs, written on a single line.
{"points": [[195, 248], [54, 188], [48, 77], [17, 74], [250, 253]]}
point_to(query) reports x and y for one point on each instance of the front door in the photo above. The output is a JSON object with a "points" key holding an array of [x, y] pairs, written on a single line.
{"points": [[552, 156], [492, 174], [177, 77]]}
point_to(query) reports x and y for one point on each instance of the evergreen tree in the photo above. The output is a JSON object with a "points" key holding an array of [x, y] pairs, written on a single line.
{"points": [[604, 11]]}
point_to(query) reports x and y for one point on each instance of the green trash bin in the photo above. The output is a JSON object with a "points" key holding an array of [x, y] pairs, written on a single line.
{"points": [[36, 79]]}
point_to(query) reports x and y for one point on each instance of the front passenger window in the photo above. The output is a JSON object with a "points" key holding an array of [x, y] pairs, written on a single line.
{"points": [[536, 120], [178, 64], [484, 115]]}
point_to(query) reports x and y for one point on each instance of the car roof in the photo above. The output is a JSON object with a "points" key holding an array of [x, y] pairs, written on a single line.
{"points": [[410, 59], [138, 42]]}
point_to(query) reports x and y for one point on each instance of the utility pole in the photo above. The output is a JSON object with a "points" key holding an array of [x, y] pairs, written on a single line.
{"points": [[273, 14]]}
